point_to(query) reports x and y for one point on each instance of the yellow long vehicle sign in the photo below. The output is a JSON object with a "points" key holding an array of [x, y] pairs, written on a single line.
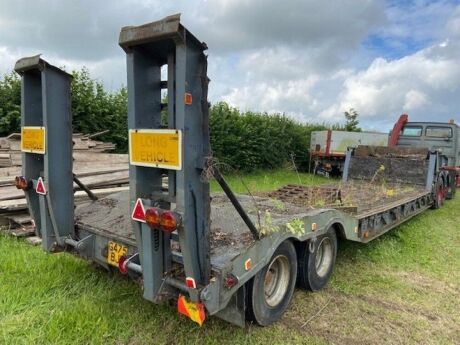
{"points": [[158, 148], [33, 139]]}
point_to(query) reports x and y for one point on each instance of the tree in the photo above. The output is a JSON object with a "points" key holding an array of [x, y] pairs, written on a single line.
{"points": [[352, 122], [95, 110], [10, 104]]}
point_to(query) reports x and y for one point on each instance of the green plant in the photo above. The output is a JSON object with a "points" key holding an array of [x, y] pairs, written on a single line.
{"points": [[279, 205], [296, 227], [266, 227]]}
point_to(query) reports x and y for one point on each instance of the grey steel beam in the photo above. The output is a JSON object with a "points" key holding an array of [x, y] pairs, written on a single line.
{"points": [[31, 115], [346, 167], [46, 102], [193, 197], [148, 47]]}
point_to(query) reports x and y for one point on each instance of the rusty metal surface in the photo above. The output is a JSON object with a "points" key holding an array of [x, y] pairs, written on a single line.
{"points": [[168, 27], [391, 152], [305, 195], [35, 62], [355, 197]]}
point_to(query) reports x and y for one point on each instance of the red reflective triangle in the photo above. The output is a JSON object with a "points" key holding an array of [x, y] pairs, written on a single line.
{"points": [[139, 211], [40, 187]]}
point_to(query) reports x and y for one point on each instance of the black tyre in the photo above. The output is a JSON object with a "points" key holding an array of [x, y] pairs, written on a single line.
{"points": [[439, 194], [451, 186], [271, 289], [315, 267]]}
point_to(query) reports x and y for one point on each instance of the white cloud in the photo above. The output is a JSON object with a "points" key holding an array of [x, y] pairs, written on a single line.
{"points": [[414, 100], [426, 83]]}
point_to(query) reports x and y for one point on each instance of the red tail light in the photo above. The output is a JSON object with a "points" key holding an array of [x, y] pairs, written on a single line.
{"points": [[168, 221], [122, 265], [230, 281], [22, 183], [152, 218], [165, 220]]}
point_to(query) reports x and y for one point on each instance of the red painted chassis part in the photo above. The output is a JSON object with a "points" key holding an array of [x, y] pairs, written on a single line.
{"points": [[457, 171]]}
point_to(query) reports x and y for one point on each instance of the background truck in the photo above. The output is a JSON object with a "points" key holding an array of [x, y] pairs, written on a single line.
{"points": [[237, 257], [328, 148], [444, 137]]}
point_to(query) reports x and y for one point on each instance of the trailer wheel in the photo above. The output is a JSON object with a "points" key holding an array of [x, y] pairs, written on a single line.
{"points": [[272, 288], [316, 266]]}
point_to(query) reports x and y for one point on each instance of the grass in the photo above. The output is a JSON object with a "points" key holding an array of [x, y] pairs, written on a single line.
{"points": [[400, 288], [261, 181]]}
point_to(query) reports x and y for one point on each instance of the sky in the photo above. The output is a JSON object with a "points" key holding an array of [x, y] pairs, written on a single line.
{"points": [[309, 59]]}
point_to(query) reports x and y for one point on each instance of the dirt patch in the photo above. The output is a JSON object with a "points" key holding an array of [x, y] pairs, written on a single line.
{"points": [[221, 239]]}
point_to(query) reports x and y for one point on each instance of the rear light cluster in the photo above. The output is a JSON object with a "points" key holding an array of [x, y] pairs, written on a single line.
{"points": [[22, 183], [164, 220]]}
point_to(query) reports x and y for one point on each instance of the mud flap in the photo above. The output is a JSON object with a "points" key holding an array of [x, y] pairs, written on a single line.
{"points": [[235, 311]]}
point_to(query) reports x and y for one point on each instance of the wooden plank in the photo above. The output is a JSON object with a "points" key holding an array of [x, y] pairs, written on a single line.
{"points": [[23, 231], [34, 240], [100, 157], [19, 204], [21, 218]]}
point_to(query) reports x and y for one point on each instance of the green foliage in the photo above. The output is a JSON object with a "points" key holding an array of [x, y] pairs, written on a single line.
{"points": [[352, 123], [95, 110], [10, 104], [250, 141], [296, 227]]}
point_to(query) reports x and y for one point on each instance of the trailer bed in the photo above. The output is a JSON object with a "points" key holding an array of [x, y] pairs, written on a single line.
{"points": [[229, 237], [110, 217], [359, 198]]}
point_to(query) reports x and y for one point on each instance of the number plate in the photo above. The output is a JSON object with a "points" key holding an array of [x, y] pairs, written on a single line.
{"points": [[115, 252], [157, 148], [33, 140]]}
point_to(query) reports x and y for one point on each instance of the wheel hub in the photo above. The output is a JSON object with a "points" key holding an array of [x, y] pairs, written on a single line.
{"points": [[323, 259], [276, 281]]}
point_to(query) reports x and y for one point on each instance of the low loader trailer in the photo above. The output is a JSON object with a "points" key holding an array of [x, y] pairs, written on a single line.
{"points": [[237, 257]]}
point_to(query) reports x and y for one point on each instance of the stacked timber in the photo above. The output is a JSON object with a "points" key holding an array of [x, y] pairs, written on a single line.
{"points": [[101, 172], [10, 147]]}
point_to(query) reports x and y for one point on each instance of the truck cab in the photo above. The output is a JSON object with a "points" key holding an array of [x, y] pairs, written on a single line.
{"points": [[440, 136], [444, 137]]}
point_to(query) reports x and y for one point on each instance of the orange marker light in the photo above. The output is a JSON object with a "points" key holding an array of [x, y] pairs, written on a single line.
{"points": [[248, 264], [188, 98]]}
